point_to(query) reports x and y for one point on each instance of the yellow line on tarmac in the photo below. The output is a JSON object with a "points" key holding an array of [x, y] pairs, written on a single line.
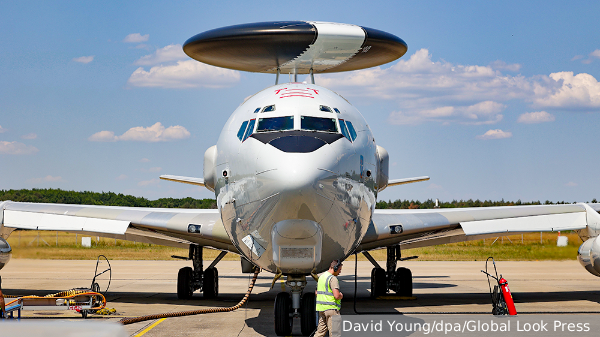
{"points": [[150, 327]]}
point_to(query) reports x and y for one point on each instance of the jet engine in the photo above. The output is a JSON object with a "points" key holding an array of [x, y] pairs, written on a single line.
{"points": [[5, 252], [210, 161], [383, 168], [589, 255]]}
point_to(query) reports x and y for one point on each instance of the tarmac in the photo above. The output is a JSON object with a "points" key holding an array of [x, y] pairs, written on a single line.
{"points": [[149, 287]]}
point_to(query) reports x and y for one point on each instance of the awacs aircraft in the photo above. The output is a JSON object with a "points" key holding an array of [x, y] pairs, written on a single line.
{"points": [[296, 172]]}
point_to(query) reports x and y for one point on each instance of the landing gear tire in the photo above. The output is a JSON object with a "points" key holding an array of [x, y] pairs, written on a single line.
{"points": [[404, 282], [210, 283], [283, 320], [308, 313], [378, 282], [185, 278]]}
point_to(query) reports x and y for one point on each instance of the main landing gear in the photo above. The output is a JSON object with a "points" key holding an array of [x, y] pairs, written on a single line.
{"points": [[399, 280], [191, 279], [297, 305]]}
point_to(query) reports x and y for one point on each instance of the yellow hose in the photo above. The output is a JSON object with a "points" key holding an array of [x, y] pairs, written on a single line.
{"points": [[126, 321]]}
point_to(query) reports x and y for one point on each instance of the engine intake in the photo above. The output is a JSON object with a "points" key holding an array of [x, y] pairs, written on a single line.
{"points": [[382, 168], [589, 255], [210, 161]]}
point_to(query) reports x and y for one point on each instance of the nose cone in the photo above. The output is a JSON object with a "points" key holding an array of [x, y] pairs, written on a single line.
{"points": [[299, 175], [301, 180], [303, 186]]}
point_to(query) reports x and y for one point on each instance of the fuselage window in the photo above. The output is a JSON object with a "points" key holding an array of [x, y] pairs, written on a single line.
{"points": [[269, 108], [336, 110], [250, 129], [275, 124], [318, 124], [344, 129], [351, 129], [325, 108], [257, 110], [242, 130]]}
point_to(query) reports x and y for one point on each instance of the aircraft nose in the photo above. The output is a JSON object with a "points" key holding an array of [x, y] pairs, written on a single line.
{"points": [[298, 176], [302, 182]]}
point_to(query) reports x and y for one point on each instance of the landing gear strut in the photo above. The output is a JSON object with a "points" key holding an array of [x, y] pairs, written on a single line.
{"points": [[191, 279], [398, 280], [297, 305]]}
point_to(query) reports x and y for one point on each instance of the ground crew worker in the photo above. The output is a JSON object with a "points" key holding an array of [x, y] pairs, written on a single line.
{"points": [[329, 297]]}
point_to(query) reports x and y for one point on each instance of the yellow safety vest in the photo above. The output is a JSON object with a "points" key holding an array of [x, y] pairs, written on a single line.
{"points": [[325, 298]]}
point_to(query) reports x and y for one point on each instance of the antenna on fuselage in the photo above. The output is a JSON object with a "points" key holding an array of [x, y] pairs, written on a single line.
{"points": [[277, 77], [312, 76]]}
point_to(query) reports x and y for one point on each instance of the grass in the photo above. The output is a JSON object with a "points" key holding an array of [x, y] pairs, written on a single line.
{"points": [[67, 246], [53, 245]]}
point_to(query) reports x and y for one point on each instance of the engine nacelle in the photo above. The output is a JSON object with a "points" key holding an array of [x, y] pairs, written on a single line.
{"points": [[383, 168], [589, 255], [5, 253], [210, 161]]}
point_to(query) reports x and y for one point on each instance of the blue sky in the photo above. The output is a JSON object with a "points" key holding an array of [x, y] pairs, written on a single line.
{"points": [[492, 100]]}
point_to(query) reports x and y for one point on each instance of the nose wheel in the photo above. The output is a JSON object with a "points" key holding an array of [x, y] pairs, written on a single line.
{"points": [[308, 313], [284, 320], [295, 305]]}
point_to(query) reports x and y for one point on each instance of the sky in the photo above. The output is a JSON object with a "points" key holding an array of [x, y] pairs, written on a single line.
{"points": [[493, 100]]}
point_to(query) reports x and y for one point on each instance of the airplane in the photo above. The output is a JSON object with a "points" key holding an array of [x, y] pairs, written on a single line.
{"points": [[296, 173]]}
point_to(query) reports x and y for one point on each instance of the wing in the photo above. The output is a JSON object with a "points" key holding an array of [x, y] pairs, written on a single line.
{"points": [[428, 227], [164, 226]]}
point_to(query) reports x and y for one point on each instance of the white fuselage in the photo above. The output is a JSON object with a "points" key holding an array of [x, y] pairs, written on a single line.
{"points": [[294, 191]]}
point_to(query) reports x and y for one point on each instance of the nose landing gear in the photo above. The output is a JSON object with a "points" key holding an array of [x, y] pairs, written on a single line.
{"points": [[297, 305], [191, 279]]}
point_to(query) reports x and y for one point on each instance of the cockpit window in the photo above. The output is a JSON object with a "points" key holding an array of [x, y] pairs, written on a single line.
{"points": [[250, 129], [336, 110], [325, 108], [351, 129], [318, 124], [242, 130], [257, 110], [275, 124], [344, 130], [269, 108]]}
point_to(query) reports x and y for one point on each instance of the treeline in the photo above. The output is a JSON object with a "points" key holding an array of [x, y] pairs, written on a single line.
{"points": [[59, 196], [414, 204], [105, 198]]}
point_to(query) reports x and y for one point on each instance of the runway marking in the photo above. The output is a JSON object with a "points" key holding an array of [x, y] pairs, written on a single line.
{"points": [[150, 327]]}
